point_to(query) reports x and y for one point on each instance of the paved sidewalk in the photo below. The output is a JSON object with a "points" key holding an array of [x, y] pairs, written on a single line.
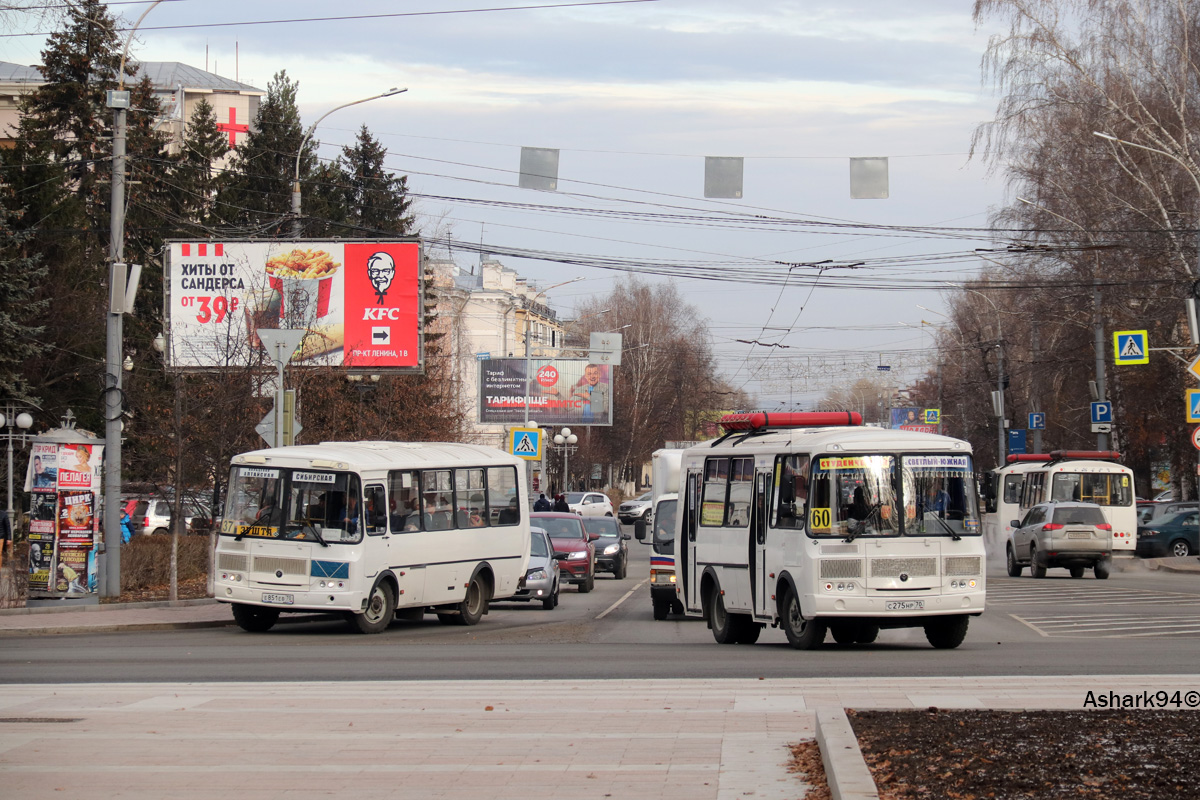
{"points": [[114, 617], [513, 740]]}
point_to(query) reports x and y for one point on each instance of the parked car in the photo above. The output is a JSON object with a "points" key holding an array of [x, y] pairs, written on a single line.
{"points": [[612, 554], [590, 504], [1176, 535], [568, 536], [631, 511], [152, 515], [1154, 512], [1165, 496], [1071, 535], [541, 578]]}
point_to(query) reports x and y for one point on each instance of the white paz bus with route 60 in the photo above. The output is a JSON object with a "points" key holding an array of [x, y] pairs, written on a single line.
{"points": [[372, 530], [811, 523]]}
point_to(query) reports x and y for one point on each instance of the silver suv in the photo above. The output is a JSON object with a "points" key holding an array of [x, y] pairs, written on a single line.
{"points": [[1071, 535], [632, 510]]}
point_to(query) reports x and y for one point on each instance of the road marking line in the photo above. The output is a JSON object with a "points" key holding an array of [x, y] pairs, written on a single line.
{"points": [[604, 613], [1028, 624]]}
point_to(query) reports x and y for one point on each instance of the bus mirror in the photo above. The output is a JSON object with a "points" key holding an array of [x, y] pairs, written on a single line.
{"points": [[639, 530]]}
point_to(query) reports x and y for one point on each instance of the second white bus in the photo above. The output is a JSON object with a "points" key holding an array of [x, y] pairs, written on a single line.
{"points": [[372, 529], [811, 523]]}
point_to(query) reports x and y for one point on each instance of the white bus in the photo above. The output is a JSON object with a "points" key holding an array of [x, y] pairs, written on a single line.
{"points": [[367, 528], [813, 524], [1063, 475]]}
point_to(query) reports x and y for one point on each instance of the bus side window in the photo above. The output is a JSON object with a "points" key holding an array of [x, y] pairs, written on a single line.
{"points": [[436, 499], [737, 507], [791, 475], [404, 511], [376, 516], [504, 507], [469, 488]]}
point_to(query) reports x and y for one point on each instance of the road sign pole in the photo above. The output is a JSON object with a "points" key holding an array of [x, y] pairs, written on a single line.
{"points": [[1098, 333]]}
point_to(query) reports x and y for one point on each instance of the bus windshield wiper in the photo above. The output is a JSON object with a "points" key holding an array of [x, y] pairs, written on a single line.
{"points": [[954, 535]]}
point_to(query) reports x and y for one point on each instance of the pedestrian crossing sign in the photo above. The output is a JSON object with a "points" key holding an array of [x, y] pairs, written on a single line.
{"points": [[525, 443], [1130, 347], [1193, 405]]}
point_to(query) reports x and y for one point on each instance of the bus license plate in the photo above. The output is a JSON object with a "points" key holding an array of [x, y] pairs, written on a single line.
{"points": [[282, 599], [905, 605]]}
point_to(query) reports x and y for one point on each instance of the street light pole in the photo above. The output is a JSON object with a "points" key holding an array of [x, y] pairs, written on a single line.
{"points": [[9, 419], [296, 232]]}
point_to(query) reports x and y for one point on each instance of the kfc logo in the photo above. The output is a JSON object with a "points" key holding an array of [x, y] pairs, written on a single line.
{"points": [[381, 269]]}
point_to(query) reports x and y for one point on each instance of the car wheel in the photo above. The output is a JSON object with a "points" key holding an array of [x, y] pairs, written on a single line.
{"points": [[475, 604], [1037, 567], [1076, 572], [947, 633], [621, 570], [550, 602], [1179, 548], [1102, 569], [1014, 569], [586, 585], [608, 513], [254, 619], [802, 634], [381, 607], [661, 609], [722, 622], [159, 531]]}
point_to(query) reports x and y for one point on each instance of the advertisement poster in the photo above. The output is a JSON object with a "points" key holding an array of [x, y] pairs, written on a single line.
{"points": [[911, 419], [64, 479], [79, 466], [43, 468], [359, 301], [41, 561], [559, 391]]}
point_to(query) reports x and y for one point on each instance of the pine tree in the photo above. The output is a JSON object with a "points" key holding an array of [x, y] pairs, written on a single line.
{"points": [[196, 178], [377, 200], [20, 275]]}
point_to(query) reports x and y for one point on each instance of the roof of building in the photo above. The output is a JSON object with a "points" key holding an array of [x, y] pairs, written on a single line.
{"points": [[163, 75]]}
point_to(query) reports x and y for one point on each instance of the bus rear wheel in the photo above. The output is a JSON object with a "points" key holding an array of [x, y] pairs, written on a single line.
{"points": [[802, 634], [947, 633], [722, 623], [661, 609], [254, 619], [474, 605], [381, 607]]}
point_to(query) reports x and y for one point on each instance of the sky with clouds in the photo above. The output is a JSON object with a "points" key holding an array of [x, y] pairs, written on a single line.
{"points": [[634, 96]]}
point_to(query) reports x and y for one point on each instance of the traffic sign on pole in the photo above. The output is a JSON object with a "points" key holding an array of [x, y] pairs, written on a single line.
{"points": [[1194, 367], [1193, 405], [526, 443], [1130, 347], [1196, 438], [1037, 421]]}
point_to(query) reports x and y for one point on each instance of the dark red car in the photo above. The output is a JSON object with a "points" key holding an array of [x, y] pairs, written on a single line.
{"points": [[568, 536]]}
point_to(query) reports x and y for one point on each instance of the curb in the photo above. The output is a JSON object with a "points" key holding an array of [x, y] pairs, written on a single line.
{"points": [[119, 627], [104, 607], [846, 770]]}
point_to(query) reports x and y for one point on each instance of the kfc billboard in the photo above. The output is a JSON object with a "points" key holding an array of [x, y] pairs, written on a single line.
{"points": [[558, 391], [360, 302]]}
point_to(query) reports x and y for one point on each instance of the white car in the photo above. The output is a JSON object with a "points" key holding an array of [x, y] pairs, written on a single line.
{"points": [[633, 510], [590, 504]]}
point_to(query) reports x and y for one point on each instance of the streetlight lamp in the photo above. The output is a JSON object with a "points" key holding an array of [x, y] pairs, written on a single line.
{"points": [[12, 418], [308, 135], [566, 440], [1002, 448], [1097, 323]]}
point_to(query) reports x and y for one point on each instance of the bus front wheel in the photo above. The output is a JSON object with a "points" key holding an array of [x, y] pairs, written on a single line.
{"points": [[254, 619], [947, 633], [381, 607], [802, 634]]}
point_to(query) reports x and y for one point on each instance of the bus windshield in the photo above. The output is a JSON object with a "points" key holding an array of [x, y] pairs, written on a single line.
{"points": [[939, 496], [853, 495], [664, 527], [277, 503], [1101, 488]]}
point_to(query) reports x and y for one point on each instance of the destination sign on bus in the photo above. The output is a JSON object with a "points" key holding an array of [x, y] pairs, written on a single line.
{"points": [[254, 472], [956, 462], [313, 477]]}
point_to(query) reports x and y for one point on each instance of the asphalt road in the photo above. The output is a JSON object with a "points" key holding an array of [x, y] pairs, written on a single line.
{"points": [[1137, 622]]}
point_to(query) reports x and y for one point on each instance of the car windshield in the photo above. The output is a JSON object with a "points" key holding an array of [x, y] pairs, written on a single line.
{"points": [[605, 526], [537, 545], [664, 528], [1078, 515], [854, 495], [562, 527], [1180, 518], [574, 498], [646, 497]]}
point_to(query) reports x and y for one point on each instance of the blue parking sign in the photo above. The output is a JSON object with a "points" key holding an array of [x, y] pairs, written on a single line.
{"points": [[1037, 421], [1101, 412]]}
